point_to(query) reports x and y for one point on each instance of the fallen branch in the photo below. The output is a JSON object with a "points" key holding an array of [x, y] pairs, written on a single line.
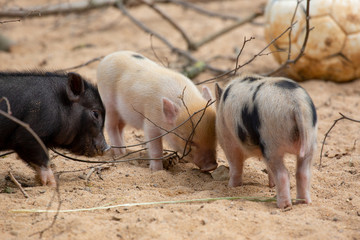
{"points": [[9, 21], [204, 11], [61, 8], [176, 50], [13, 179], [190, 44], [328, 132], [239, 23]]}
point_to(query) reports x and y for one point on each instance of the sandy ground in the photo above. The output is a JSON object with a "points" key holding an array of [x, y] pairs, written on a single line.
{"points": [[58, 42]]}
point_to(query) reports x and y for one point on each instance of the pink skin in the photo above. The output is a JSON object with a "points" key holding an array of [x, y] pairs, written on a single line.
{"points": [[303, 176], [46, 176]]}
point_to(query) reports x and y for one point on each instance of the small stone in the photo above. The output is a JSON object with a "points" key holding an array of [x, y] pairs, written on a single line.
{"points": [[116, 218], [221, 173]]}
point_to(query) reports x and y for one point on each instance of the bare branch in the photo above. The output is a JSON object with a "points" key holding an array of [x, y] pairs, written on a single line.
{"points": [[203, 11], [328, 132], [240, 52], [18, 184], [176, 50], [61, 8], [10, 21], [190, 44], [250, 60], [81, 65], [227, 29]]}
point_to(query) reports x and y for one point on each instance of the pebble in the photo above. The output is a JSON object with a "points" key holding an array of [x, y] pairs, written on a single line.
{"points": [[221, 173]]}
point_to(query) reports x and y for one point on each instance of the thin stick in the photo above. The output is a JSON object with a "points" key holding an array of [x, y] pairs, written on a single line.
{"points": [[204, 11], [214, 36], [250, 60], [5, 154], [180, 52], [18, 184], [254, 199], [177, 27], [167, 131], [242, 48], [81, 65], [332, 126], [10, 21]]}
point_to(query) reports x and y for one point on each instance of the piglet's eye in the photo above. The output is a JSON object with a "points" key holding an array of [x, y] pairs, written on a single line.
{"points": [[95, 114]]}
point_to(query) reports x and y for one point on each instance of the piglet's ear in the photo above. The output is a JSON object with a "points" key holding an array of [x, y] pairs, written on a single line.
{"points": [[206, 93], [170, 110], [75, 86], [218, 92]]}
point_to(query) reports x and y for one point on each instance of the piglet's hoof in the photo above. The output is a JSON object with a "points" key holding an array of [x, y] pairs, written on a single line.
{"points": [[46, 176], [156, 165]]}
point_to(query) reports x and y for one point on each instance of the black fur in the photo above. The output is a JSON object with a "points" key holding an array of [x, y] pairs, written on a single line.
{"points": [[42, 100], [287, 84], [241, 133], [226, 93], [138, 56], [313, 110], [251, 122], [256, 91], [251, 79]]}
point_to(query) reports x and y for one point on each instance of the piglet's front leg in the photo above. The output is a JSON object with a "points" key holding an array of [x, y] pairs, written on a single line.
{"points": [[155, 148], [46, 176]]}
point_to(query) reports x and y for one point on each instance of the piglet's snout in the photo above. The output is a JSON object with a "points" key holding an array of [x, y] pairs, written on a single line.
{"points": [[100, 145], [206, 161]]}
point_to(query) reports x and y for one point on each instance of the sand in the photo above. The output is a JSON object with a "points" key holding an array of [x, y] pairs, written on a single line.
{"points": [[58, 42]]}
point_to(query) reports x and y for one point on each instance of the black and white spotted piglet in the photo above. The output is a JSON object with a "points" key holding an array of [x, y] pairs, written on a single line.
{"points": [[268, 117]]}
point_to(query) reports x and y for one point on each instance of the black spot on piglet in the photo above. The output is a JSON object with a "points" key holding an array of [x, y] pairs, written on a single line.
{"points": [[241, 133], [251, 79], [256, 91], [138, 56], [286, 84], [251, 123], [313, 111], [226, 93]]}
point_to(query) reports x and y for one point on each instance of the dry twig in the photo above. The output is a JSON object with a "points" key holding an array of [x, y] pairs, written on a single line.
{"points": [[18, 184], [81, 65], [250, 60], [176, 50], [200, 10], [328, 132], [10, 21]]}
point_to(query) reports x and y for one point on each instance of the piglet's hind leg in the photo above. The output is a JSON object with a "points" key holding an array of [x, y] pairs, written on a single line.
{"points": [[281, 179], [303, 176], [236, 165]]}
